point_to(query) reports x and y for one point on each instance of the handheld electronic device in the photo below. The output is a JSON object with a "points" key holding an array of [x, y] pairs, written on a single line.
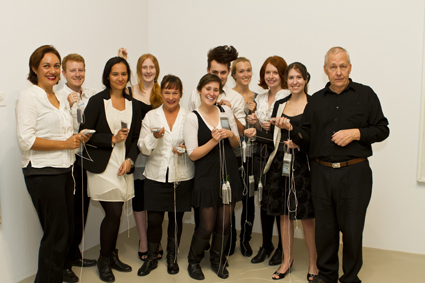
{"points": [[123, 125], [180, 149], [87, 131], [286, 168], [224, 122], [156, 129]]}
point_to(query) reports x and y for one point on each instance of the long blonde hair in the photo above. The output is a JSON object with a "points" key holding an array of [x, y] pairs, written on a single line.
{"points": [[155, 95]]}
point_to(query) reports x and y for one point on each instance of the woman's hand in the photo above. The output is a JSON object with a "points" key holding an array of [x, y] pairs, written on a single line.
{"points": [[224, 102], [72, 98], [252, 106], [225, 133], [282, 123], [252, 119], [124, 168], [73, 142], [178, 153], [291, 144], [215, 135], [251, 132], [120, 136], [159, 134], [84, 137], [122, 52], [265, 125]]}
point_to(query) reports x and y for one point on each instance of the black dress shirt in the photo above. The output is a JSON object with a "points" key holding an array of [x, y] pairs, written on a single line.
{"points": [[357, 107]]}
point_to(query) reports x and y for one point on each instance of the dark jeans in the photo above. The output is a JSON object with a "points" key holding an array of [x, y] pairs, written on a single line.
{"points": [[52, 196]]}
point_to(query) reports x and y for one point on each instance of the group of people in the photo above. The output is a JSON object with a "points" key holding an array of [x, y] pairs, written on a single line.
{"points": [[305, 155]]}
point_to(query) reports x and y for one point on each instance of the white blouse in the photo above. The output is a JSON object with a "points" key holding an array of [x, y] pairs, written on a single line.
{"points": [[264, 112], [160, 151], [36, 117], [191, 128]]}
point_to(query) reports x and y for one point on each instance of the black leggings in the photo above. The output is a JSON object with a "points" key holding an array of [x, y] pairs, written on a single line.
{"points": [[215, 219], [110, 226], [155, 219]]}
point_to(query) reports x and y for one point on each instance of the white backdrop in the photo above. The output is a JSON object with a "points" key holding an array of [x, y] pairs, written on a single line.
{"points": [[384, 38]]}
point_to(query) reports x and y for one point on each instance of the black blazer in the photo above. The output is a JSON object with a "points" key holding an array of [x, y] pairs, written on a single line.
{"points": [[100, 144]]}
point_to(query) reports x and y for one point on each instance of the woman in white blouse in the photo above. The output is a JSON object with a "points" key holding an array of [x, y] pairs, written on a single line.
{"points": [[169, 174], [45, 135], [210, 134], [271, 78]]}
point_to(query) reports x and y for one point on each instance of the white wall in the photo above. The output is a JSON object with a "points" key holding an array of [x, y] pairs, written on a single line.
{"points": [[94, 29], [384, 38]]}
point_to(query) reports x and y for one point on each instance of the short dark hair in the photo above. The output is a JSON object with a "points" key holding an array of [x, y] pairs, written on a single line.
{"points": [[206, 79], [280, 65], [36, 58], [172, 82], [300, 68], [222, 54], [108, 67]]}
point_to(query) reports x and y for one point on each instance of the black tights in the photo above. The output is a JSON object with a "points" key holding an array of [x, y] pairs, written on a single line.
{"points": [[215, 219], [110, 226], [155, 219], [267, 222]]}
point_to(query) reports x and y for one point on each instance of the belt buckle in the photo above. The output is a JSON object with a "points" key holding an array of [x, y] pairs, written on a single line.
{"points": [[336, 165]]}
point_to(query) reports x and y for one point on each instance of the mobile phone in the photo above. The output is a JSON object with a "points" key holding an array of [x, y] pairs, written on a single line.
{"points": [[224, 122], [123, 125], [155, 130]]}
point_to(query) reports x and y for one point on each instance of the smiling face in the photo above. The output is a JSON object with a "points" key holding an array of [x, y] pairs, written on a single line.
{"points": [[272, 77], [338, 70], [243, 73], [209, 93], [74, 73], [48, 72], [170, 98], [220, 70], [148, 71], [118, 77], [296, 82]]}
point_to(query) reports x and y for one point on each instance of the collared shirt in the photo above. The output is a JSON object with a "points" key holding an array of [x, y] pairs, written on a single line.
{"points": [[36, 117], [85, 96], [236, 101], [160, 151], [357, 107], [264, 112]]}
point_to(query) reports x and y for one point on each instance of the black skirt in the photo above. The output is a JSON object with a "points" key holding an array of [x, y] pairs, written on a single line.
{"points": [[160, 196]]}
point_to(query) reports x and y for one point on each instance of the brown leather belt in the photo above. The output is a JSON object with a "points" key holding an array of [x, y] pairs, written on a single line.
{"points": [[340, 164]]}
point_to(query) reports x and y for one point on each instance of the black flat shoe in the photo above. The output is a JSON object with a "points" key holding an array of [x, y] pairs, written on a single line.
{"points": [[117, 264], [246, 249], [84, 262], [282, 275], [262, 254], [69, 276], [277, 258]]}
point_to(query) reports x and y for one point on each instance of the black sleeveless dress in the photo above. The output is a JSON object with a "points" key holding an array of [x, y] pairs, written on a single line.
{"points": [[207, 188], [276, 188]]}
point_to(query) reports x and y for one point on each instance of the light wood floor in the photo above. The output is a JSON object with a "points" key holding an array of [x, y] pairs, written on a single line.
{"points": [[378, 265]]}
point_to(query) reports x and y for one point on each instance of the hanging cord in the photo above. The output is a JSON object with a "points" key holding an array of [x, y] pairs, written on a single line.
{"points": [[175, 185], [264, 154]]}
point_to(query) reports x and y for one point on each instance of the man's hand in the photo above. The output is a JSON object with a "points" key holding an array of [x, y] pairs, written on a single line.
{"points": [[344, 137]]}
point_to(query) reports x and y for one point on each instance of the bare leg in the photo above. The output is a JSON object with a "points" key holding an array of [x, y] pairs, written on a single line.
{"points": [[140, 217], [309, 235], [287, 230]]}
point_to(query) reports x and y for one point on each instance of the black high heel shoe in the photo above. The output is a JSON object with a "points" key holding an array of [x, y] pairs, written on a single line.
{"points": [[142, 255], [282, 275], [312, 276]]}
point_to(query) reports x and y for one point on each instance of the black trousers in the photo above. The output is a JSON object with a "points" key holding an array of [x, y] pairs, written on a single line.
{"points": [[81, 208], [340, 198], [53, 199]]}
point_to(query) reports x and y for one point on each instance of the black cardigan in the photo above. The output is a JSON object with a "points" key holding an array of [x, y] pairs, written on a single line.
{"points": [[100, 144]]}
